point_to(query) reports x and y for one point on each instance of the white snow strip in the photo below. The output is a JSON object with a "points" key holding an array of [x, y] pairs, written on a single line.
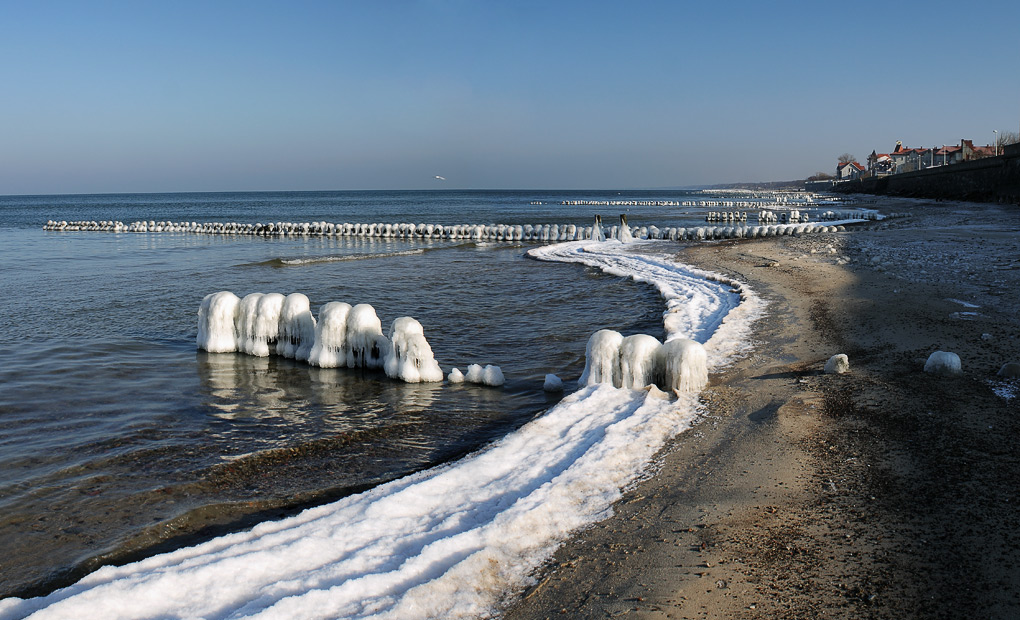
{"points": [[450, 542], [700, 305]]}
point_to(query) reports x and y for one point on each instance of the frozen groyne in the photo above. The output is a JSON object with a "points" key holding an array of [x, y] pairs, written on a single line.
{"points": [[342, 337], [510, 233]]}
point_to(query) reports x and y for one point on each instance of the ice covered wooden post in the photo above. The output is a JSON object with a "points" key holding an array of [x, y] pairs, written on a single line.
{"points": [[409, 356], [216, 318], [602, 358], [686, 365], [330, 336], [640, 361]]}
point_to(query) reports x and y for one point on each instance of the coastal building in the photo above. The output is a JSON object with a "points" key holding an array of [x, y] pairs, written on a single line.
{"points": [[879, 164], [904, 159], [847, 171], [969, 152], [948, 155]]}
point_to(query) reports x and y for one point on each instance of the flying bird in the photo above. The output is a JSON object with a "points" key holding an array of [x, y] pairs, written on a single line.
{"points": [[439, 178]]}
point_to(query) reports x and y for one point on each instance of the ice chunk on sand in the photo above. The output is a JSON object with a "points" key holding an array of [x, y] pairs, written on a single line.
{"points": [[943, 363], [837, 365]]}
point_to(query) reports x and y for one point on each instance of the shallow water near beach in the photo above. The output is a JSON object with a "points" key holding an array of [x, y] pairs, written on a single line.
{"points": [[117, 435]]}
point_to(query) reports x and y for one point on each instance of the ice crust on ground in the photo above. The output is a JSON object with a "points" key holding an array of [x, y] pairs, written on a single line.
{"points": [[449, 542]]}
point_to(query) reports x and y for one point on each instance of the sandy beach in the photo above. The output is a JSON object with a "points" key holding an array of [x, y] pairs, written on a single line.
{"points": [[885, 492]]}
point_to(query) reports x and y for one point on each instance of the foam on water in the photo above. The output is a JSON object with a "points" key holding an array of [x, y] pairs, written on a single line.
{"points": [[447, 542]]}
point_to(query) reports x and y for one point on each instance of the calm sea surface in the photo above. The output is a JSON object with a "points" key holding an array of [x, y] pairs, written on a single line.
{"points": [[118, 437]]}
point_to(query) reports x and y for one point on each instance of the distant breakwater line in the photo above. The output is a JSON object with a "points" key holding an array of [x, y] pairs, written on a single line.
{"points": [[550, 233]]}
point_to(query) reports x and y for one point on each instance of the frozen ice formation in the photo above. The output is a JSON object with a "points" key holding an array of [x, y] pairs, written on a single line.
{"points": [[552, 384], [267, 324], [456, 376], [261, 324], [330, 336], [623, 233], [490, 375], [637, 361], [770, 225], [297, 328], [837, 365], [686, 365], [943, 363], [409, 356], [216, 322], [640, 361], [365, 343], [602, 359]]}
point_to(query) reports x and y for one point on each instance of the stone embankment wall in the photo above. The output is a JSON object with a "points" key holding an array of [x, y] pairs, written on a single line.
{"points": [[993, 179]]}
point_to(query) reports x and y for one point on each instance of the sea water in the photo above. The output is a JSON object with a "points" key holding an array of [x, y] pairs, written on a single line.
{"points": [[118, 438]]}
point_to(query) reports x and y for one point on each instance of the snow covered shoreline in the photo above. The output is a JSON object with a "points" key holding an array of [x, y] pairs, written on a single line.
{"points": [[452, 541]]}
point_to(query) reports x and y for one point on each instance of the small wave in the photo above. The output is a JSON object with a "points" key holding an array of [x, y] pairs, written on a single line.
{"points": [[342, 258]]}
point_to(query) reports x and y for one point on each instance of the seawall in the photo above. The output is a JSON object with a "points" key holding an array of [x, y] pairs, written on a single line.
{"points": [[993, 179]]}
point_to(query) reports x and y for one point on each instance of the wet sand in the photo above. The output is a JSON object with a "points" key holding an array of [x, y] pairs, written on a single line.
{"points": [[885, 492]]}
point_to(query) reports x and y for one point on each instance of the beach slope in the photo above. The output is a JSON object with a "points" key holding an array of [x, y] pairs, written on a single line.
{"points": [[884, 492]]}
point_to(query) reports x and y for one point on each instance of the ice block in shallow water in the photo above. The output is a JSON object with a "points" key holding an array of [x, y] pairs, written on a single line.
{"points": [[409, 356], [330, 336], [297, 328], [365, 344], [216, 318]]}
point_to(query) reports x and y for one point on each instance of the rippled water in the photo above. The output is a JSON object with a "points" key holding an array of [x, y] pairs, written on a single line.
{"points": [[117, 436]]}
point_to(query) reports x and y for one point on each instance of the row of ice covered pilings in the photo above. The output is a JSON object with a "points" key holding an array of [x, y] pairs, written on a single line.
{"points": [[622, 203], [490, 232]]}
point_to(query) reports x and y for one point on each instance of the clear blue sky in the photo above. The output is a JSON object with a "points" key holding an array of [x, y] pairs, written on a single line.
{"points": [[209, 96]]}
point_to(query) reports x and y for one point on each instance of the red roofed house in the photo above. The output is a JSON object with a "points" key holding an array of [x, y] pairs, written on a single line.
{"points": [[948, 155], [849, 171], [975, 152]]}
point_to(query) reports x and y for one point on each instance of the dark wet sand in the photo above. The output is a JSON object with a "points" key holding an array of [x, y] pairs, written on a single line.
{"points": [[882, 493]]}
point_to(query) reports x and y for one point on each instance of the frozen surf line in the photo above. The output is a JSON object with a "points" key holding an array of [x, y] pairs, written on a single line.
{"points": [[449, 542]]}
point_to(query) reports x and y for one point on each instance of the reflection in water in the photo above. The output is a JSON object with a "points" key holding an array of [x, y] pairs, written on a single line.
{"points": [[240, 386]]}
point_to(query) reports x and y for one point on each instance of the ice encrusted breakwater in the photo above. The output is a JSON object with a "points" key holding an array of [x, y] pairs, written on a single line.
{"points": [[343, 337], [473, 232]]}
